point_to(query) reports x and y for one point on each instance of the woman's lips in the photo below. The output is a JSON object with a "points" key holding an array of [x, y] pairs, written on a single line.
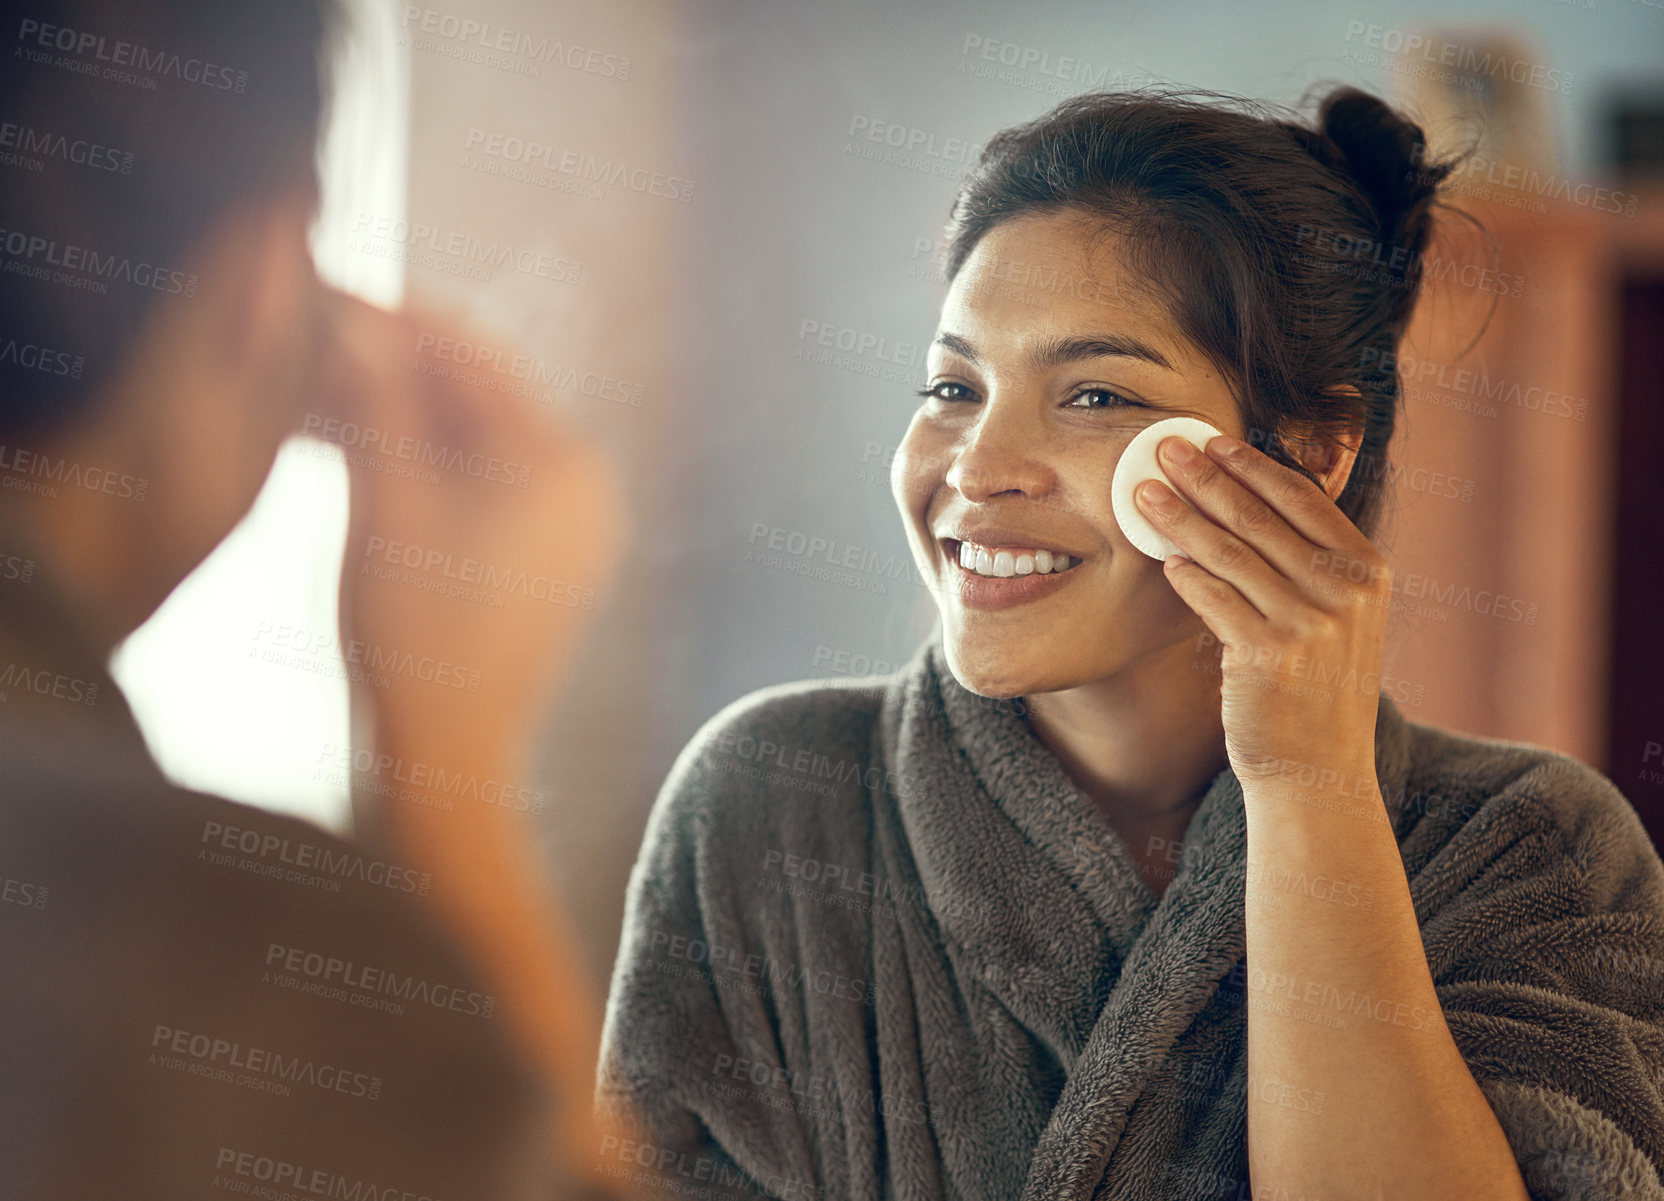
{"points": [[994, 592]]}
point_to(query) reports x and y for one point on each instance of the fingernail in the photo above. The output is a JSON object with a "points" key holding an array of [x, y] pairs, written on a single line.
{"points": [[1225, 445], [1179, 450], [1153, 493]]}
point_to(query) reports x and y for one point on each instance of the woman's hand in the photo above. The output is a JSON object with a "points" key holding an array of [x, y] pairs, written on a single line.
{"points": [[1295, 597], [482, 535], [1298, 600]]}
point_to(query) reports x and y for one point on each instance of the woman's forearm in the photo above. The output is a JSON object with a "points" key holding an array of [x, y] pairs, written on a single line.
{"points": [[1355, 1086], [488, 888]]}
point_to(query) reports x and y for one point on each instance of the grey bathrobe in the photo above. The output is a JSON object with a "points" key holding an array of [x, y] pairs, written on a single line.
{"points": [[878, 945]]}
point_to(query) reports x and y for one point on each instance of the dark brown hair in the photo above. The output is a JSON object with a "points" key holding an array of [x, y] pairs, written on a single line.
{"points": [[1285, 251], [145, 123]]}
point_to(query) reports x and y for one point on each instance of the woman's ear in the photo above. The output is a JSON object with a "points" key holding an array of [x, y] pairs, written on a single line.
{"points": [[1329, 457], [1330, 460]]}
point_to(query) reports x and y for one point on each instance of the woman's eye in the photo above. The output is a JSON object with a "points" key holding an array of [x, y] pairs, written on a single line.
{"points": [[946, 390], [1100, 398]]}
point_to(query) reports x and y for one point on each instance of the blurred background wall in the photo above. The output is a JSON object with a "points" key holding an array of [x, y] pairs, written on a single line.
{"points": [[753, 195]]}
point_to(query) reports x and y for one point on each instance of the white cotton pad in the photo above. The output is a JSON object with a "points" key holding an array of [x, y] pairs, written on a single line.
{"points": [[1138, 463]]}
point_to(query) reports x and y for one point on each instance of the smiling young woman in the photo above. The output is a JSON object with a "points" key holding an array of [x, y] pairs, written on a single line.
{"points": [[1133, 883]]}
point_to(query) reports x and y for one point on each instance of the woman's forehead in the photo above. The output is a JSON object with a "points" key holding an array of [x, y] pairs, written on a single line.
{"points": [[1056, 275]]}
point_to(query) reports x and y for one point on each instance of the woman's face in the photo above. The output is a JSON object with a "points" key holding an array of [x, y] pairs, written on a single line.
{"points": [[1048, 359]]}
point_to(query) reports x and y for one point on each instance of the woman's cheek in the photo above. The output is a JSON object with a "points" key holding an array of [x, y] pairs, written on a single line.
{"points": [[1084, 480], [918, 467]]}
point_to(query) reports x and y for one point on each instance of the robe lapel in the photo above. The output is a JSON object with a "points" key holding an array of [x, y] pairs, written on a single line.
{"points": [[1006, 907], [1192, 940]]}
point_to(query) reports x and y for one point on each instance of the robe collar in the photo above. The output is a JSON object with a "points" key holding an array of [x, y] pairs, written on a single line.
{"points": [[1035, 894]]}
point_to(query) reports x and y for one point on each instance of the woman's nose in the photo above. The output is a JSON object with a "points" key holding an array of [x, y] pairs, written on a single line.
{"points": [[1002, 452]]}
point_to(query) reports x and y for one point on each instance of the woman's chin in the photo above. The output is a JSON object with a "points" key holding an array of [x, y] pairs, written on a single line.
{"points": [[1000, 672]]}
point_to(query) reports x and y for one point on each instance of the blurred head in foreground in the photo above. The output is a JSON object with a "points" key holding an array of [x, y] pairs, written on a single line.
{"points": [[159, 312]]}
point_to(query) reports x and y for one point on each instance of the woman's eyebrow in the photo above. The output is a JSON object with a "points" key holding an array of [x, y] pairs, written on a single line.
{"points": [[958, 345], [1055, 352]]}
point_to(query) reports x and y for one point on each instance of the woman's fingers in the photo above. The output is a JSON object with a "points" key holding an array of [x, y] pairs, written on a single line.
{"points": [[1228, 616], [1303, 507], [482, 530], [1224, 554], [1264, 528]]}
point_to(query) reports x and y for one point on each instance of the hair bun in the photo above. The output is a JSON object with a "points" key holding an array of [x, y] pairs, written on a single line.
{"points": [[1386, 154]]}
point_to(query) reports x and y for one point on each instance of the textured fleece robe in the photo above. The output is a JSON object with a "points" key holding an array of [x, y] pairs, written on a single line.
{"points": [[877, 944]]}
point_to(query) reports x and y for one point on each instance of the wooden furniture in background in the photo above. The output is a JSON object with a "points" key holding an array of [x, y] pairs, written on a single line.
{"points": [[1502, 526]]}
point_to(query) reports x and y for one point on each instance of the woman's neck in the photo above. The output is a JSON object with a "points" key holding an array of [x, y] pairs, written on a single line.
{"points": [[1142, 744]]}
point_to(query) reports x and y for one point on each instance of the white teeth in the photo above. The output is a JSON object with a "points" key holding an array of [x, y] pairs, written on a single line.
{"points": [[1005, 564]]}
